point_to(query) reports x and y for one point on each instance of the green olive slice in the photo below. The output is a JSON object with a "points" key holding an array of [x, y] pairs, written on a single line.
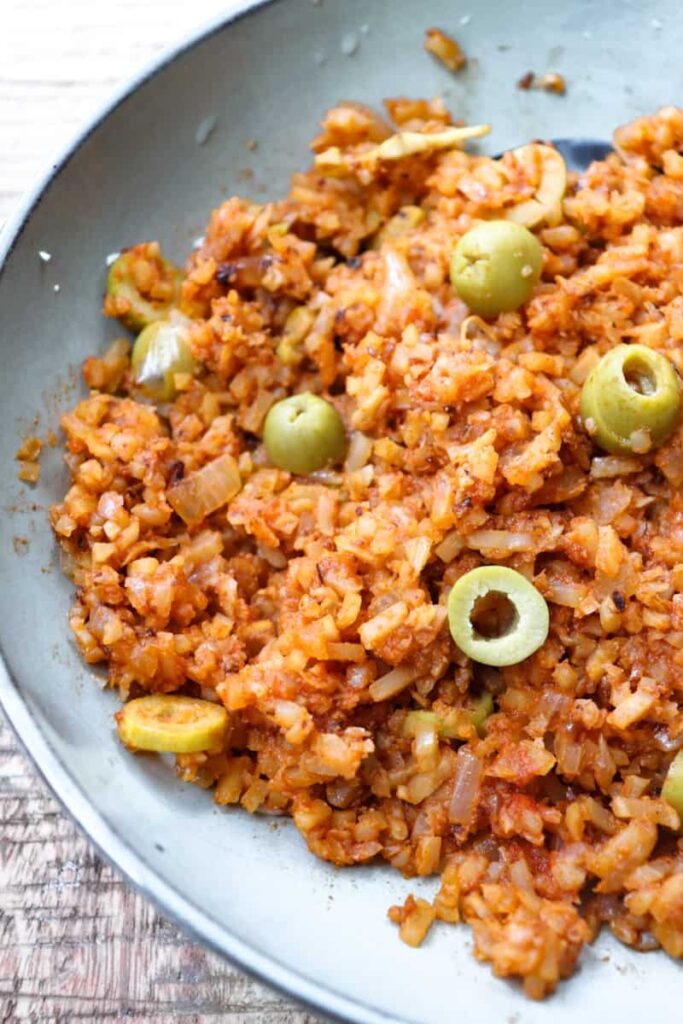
{"points": [[630, 402], [172, 724], [481, 709], [290, 350], [496, 616], [142, 286], [160, 352], [495, 266], [454, 724], [303, 433], [672, 790]]}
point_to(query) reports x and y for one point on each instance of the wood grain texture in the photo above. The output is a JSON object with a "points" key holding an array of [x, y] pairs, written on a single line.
{"points": [[76, 943]]}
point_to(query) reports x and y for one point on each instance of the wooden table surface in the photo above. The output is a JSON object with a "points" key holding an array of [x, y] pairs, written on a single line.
{"points": [[76, 943]]}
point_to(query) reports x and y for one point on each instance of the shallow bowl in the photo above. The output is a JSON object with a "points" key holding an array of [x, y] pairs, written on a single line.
{"points": [[152, 166]]}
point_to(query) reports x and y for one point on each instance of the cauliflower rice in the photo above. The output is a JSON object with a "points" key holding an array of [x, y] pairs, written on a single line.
{"points": [[314, 608]]}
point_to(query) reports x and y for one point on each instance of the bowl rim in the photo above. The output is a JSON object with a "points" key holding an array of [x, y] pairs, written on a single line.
{"points": [[113, 848]]}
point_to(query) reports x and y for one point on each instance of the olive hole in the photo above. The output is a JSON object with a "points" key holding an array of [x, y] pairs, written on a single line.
{"points": [[640, 378], [494, 615]]}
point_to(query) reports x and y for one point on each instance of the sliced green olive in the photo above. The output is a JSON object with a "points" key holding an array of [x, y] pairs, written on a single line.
{"points": [[672, 790], [457, 723], [481, 710], [290, 350], [142, 286], [303, 433], [631, 400], [172, 724], [454, 724], [496, 616], [161, 351], [495, 266]]}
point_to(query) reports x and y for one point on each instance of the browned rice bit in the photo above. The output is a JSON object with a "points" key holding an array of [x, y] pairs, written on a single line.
{"points": [[27, 456], [550, 82], [526, 81], [445, 48], [314, 608]]}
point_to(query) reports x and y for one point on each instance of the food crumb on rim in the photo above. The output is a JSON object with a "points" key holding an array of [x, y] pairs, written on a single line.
{"points": [[551, 81], [445, 48], [349, 44], [205, 129]]}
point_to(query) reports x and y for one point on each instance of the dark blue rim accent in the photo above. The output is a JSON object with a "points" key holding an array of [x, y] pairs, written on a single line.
{"points": [[578, 154], [113, 848]]}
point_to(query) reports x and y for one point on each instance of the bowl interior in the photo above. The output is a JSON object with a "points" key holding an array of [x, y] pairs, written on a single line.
{"points": [[144, 173]]}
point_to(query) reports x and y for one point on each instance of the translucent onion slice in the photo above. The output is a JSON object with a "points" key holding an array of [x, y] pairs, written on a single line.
{"points": [[206, 490], [387, 686], [546, 202], [398, 146], [466, 785]]}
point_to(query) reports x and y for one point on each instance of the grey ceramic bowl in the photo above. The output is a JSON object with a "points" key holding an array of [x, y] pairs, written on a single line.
{"points": [[250, 890]]}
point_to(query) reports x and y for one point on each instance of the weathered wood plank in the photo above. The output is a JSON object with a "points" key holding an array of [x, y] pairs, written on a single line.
{"points": [[76, 944], [60, 60]]}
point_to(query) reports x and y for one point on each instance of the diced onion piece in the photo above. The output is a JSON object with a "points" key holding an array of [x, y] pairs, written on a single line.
{"points": [[603, 467], [393, 682], [550, 190], [415, 719], [565, 592], [402, 223], [172, 724], [570, 755], [397, 146], [410, 143], [346, 652], [416, 922], [520, 875], [426, 745], [500, 542], [201, 549], [398, 290], [466, 784], [360, 450], [206, 490], [672, 790], [660, 811], [330, 161], [450, 546]]}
